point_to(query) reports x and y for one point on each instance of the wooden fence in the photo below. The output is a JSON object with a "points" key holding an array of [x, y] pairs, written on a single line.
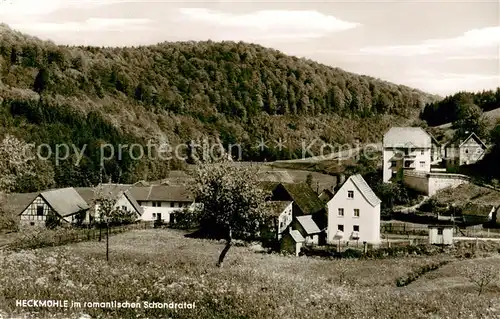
{"points": [[96, 233], [404, 229], [408, 229]]}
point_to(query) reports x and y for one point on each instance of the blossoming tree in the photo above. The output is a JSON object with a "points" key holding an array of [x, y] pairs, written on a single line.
{"points": [[232, 204], [16, 163]]}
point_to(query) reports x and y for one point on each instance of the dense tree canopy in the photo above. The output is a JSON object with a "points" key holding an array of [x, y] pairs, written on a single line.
{"points": [[236, 92], [448, 109]]}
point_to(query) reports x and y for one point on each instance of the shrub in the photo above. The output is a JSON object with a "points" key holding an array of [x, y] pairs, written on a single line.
{"points": [[414, 275], [352, 253]]}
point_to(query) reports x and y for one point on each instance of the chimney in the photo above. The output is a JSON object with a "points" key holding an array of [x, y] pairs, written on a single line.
{"points": [[340, 182]]}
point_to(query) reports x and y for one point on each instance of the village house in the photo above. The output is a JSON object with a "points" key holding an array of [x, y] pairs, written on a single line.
{"points": [[119, 192], [476, 214], [280, 217], [53, 207], [354, 213], [464, 151], [309, 230], [162, 202], [305, 200], [408, 148], [292, 242]]}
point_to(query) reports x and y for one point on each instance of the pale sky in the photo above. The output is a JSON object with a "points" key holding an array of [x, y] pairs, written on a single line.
{"points": [[438, 46]]}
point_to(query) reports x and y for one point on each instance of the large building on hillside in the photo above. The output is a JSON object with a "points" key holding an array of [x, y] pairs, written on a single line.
{"points": [[406, 148]]}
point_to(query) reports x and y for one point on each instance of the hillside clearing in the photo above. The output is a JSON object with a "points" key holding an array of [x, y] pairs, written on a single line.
{"points": [[164, 266]]}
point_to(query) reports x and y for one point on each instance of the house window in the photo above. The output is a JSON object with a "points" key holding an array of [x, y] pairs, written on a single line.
{"points": [[466, 151], [422, 164], [355, 228], [32, 223], [356, 212], [340, 227], [39, 210], [158, 216], [154, 215], [124, 208], [394, 164], [172, 204], [350, 194], [440, 231], [341, 212], [422, 152]]}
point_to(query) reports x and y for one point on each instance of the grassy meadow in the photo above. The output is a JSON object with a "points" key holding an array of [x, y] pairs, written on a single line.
{"points": [[164, 266]]}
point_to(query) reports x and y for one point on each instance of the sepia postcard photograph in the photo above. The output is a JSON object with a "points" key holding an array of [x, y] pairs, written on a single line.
{"points": [[250, 159]]}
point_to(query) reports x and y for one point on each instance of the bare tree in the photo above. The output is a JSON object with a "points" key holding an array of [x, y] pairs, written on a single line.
{"points": [[231, 202], [481, 275], [106, 211]]}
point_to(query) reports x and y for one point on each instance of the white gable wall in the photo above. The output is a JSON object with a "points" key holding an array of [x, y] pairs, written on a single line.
{"points": [[368, 220], [33, 215], [122, 202], [285, 219]]}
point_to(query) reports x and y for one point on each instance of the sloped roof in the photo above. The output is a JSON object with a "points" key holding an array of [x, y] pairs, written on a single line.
{"points": [[458, 141], [134, 203], [17, 202], [296, 236], [364, 189], [309, 225], [268, 186], [87, 193], [167, 193], [275, 208], [65, 201], [304, 197], [477, 210], [475, 137], [415, 137]]}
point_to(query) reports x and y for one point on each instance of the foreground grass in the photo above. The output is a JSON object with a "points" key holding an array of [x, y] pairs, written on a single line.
{"points": [[163, 266]]}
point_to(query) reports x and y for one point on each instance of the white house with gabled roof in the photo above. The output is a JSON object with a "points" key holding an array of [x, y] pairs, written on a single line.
{"points": [[465, 151], [354, 213], [406, 148]]}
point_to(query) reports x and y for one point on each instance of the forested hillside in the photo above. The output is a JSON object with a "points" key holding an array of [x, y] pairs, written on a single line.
{"points": [[176, 92], [447, 110]]}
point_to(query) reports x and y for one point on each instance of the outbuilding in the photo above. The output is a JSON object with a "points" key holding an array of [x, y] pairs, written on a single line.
{"points": [[292, 242], [441, 234]]}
